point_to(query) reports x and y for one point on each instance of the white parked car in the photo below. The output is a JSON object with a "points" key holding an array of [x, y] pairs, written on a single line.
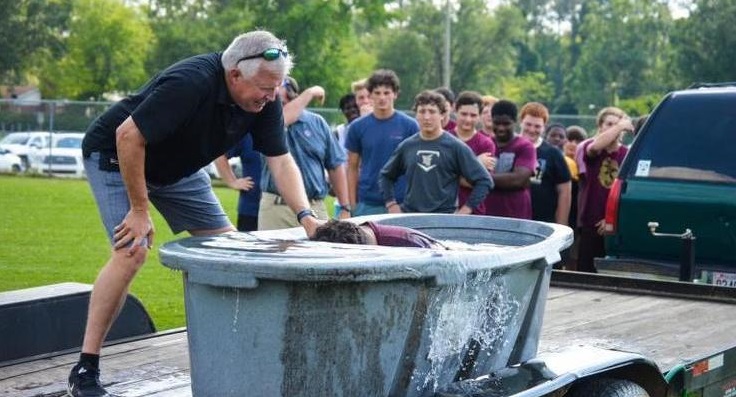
{"points": [[10, 162], [62, 157], [22, 143]]}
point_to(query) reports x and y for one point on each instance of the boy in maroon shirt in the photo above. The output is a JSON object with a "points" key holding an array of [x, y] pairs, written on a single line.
{"points": [[370, 233], [600, 158], [515, 164], [467, 108]]}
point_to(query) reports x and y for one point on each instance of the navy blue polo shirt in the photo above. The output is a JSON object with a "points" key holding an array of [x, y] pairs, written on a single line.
{"points": [[188, 119]]}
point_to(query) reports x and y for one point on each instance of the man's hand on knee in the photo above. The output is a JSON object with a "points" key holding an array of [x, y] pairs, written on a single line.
{"points": [[135, 232]]}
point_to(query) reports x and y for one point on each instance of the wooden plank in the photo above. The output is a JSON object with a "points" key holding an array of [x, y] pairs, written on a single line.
{"points": [[156, 366], [669, 331]]}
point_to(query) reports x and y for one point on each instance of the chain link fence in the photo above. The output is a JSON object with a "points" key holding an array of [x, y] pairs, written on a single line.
{"points": [[46, 118], [63, 116]]}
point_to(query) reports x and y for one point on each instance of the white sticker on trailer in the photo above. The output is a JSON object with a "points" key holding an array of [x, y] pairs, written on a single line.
{"points": [[642, 168], [715, 362]]}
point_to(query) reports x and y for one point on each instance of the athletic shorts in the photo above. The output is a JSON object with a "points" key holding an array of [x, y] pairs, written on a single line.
{"points": [[189, 204]]}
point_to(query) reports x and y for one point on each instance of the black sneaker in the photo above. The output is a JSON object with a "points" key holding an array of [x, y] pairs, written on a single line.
{"points": [[85, 382]]}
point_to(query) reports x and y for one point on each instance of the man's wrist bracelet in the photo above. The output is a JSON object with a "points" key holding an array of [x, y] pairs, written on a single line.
{"points": [[304, 213], [346, 207]]}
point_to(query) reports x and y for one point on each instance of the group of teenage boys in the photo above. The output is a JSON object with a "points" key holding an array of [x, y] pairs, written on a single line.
{"points": [[456, 155], [544, 171]]}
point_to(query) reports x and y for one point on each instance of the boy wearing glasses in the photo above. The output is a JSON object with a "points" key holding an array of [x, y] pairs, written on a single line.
{"points": [[150, 148]]}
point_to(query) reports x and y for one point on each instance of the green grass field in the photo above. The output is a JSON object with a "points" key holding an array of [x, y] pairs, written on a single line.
{"points": [[50, 232]]}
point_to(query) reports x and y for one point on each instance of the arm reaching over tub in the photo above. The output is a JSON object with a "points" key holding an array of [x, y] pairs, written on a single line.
{"points": [[371, 233]]}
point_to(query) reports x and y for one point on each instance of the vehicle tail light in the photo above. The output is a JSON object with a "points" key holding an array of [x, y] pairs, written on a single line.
{"points": [[614, 197]]}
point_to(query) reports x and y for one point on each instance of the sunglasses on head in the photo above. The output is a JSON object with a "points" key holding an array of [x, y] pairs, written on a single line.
{"points": [[270, 54]]}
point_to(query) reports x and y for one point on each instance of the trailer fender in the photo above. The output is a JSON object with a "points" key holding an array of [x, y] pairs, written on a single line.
{"points": [[581, 364], [556, 374]]}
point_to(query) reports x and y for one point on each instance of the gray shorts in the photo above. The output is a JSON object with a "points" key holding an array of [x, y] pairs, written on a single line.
{"points": [[189, 204]]}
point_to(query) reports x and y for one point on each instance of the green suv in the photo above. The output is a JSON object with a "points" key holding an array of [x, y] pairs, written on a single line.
{"points": [[672, 210]]}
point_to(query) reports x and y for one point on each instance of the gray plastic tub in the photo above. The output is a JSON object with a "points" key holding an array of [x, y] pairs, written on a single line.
{"points": [[270, 314]]}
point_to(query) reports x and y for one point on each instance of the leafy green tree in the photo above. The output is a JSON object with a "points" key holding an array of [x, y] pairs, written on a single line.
{"points": [[320, 34], [11, 29], [393, 50], [107, 47], [482, 47], [552, 44], [533, 86], [185, 28], [29, 29], [620, 56], [641, 105], [706, 43]]}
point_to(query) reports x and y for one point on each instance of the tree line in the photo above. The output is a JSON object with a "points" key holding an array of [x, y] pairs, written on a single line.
{"points": [[573, 55]]}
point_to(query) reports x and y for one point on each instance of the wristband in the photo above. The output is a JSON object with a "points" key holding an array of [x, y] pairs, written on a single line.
{"points": [[304, 213], [347, 208]]}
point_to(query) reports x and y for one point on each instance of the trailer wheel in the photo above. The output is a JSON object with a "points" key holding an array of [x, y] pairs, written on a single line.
{"points": [[607, 387]]}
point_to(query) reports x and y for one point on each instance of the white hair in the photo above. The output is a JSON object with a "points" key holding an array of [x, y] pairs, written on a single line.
{"points": [[253, 43]]}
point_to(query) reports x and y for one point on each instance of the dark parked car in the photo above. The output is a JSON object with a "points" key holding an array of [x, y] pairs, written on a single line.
{"points": [[674, 202]]}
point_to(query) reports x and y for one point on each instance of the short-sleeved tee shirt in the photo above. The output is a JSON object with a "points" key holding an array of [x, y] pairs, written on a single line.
{"points": [[188, 119], [519, 152], [551, 171], [315, 149], [596, 182], [375, 140], [479, 143], [579, 154], [250, 160], [433, 169], [450, 126], [398, 236]]}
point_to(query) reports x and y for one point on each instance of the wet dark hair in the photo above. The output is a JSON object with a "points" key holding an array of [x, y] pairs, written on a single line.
{"points": [[385, 77], [430, 97], [504, 108], [335, 231]]}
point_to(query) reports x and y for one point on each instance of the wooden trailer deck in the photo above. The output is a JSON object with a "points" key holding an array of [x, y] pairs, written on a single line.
{"points": [[670, 327]]}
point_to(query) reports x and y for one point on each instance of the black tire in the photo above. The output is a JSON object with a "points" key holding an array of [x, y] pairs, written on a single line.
{"points": [[607, 387], [15, 169]]}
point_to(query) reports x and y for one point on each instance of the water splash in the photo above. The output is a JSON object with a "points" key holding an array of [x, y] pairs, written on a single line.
{"points": [[457, 245], [477, 312], [237, 310]]}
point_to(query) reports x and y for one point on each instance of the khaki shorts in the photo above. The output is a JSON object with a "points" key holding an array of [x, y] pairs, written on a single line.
{"points": [[273, 213]]}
